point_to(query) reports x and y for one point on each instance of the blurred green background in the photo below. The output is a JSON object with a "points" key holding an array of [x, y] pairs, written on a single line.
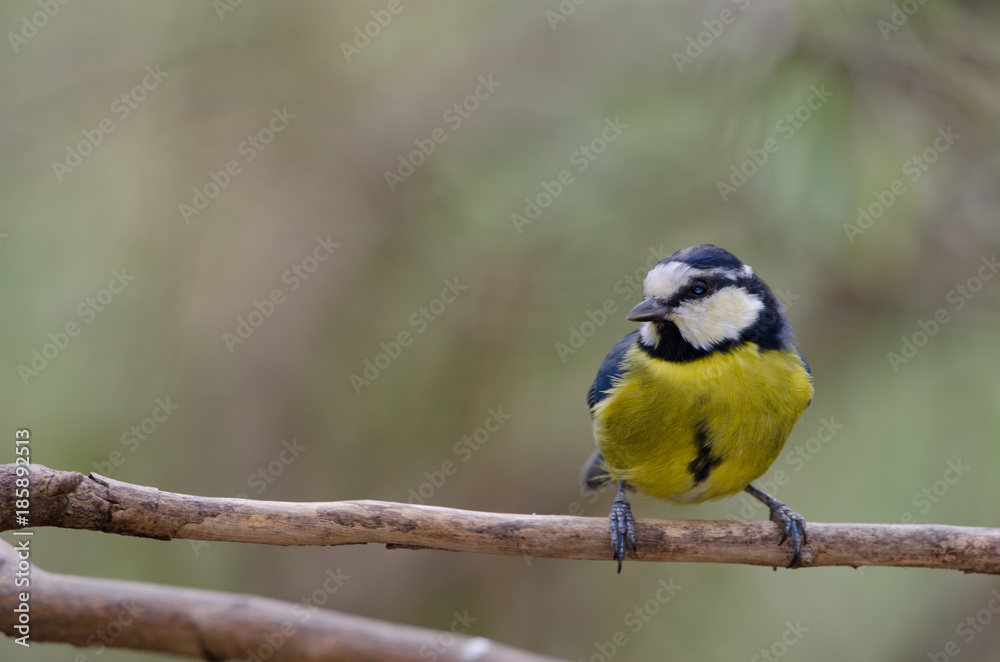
{"points": [[117, 114]]}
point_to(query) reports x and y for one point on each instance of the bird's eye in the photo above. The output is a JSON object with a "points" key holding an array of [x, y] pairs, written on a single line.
{"points": [[699, 287]]}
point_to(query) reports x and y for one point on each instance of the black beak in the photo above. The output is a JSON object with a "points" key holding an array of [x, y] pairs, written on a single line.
{"points": [[649, 310]]}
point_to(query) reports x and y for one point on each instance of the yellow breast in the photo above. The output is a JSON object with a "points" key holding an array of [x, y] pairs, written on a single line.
{"points": [[687, 432]]}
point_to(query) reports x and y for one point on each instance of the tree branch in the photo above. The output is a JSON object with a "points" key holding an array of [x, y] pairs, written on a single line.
{"points": [[210, 625], [72, 500]]}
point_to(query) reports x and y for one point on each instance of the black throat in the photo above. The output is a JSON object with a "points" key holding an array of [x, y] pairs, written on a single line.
{"points": [[672, 346]]}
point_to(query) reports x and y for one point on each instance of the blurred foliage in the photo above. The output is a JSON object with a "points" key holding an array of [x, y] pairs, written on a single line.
{"points": [[892, 79]]}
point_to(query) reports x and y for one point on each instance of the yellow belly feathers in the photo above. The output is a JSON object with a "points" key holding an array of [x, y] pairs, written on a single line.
{"points": [[687, 432]]}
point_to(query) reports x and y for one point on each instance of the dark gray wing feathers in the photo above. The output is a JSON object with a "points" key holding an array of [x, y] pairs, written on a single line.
{"points": [[610, 369]]}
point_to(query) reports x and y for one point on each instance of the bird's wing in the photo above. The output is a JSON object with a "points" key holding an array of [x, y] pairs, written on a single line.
{"points": [[805, 363], [808, 370], [610, 369]]}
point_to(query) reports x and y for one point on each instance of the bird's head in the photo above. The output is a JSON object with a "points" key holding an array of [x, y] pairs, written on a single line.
{"points": [[702, 299]]}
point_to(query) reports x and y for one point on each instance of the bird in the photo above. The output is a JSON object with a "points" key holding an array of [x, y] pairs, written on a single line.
{"points": [[698, 401]]}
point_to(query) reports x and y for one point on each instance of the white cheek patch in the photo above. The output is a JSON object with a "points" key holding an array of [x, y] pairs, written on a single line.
{"points": [[722, 316], [648, 334]]}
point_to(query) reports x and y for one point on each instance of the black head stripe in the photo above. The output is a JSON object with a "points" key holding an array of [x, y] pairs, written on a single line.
{"points": [[706, 256], [713, 284]]}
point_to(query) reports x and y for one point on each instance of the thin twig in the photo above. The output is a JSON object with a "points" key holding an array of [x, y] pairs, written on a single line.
{"points": [[72, 500]]}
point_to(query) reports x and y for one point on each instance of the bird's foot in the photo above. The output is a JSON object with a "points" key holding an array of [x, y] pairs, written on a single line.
{"points": [[793, 528], [793, 525], [622, 527]]}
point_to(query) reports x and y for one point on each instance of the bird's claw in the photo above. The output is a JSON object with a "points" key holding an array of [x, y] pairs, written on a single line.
{"points": [[793, 527], [622, 529]]}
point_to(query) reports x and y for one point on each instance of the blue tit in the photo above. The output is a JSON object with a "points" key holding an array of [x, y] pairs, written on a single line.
{"points": [[698, 401]]}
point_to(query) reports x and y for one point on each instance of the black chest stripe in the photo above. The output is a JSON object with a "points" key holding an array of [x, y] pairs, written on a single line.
{"points": [[704, 462]]}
